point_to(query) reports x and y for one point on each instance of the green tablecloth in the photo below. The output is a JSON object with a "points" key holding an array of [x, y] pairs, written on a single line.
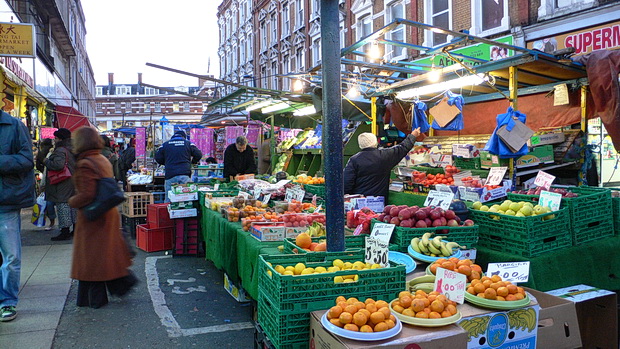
{"points": [[398, 198], [596, 264], [248, 250]]}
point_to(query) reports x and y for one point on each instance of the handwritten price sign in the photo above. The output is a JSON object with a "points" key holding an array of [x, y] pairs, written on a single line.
{"points": [[551, 200], [513, 272], [376, 252], [451, 284], [496, 175], [382, 232], [439, 199], [544, 180]]}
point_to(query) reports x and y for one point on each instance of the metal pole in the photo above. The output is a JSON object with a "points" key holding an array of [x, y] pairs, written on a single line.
{"points": [[373, 116], [514, 94], [332, 124]]}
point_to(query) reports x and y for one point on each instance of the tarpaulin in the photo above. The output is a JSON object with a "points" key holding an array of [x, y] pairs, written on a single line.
{"points": [[70, 118]]}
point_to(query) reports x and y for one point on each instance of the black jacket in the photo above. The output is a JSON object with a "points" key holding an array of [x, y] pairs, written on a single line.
{"points": [[236, 163], [128, 156], [368, 172], [16, 165], [178, 154]]}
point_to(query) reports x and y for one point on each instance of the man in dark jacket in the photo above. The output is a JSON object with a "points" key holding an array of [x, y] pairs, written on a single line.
{"points": [[239, 159], [368, 172], [16, 192], [178, 154], [125, 162]]}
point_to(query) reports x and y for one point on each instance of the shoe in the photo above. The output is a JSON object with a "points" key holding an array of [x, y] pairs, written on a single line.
{"points": [[65, 235], [8, 313], [49, 228]]}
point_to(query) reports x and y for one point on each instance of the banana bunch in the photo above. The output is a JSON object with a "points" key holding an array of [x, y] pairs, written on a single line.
{"points": [[434, 247], [425, 283], [316, 229], [523, 319]]}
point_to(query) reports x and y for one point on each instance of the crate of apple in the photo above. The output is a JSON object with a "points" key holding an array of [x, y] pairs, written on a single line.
{"points": [[421, 217]]}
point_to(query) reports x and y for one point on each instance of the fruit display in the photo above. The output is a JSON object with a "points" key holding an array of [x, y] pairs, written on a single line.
{"points": [[435, 247], [354, 315], [305, 179], [425, 217], [304, 240], [536, 191], [337, 265], [423, 305], [241, 202], [493, 288], [246, 223], [362, 216], [279, 167], [302, 219], [294, 206], [425, 283], [451, 170], [431, 179], [518, 209], [463, 266]]}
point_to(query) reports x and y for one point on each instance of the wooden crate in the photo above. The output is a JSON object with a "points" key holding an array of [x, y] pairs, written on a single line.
{"points": [[136, 204]]}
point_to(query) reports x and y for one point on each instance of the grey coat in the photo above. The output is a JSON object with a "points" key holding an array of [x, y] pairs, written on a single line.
{"points": [[60, 192]]}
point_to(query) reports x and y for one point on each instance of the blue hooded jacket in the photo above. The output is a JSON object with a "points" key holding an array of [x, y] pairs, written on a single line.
{"points": [[16, 165], [178, 154]]}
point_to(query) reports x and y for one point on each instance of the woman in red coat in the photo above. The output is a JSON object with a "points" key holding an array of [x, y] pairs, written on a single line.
{"points": [[100, 256]]}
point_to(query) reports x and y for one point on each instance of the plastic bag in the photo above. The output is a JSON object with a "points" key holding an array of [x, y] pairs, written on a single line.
{"points": [[38, 211], [420, 119], [457, 123], [495, 145]]}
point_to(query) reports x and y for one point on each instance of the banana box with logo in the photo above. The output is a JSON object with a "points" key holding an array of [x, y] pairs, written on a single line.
{"points": [[267, 231]]}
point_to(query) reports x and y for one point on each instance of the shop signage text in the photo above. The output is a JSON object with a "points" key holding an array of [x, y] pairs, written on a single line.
{"points": [[17, 40], [12, 65], [602, 37]]}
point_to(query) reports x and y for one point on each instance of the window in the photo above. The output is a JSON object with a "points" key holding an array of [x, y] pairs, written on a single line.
{"points": [[364, 28], [185, 106], [242, 49], [316, 8], [123, 90], [286, 63], [175, 106], [150, 91], [274, 29], [439, 14], [98, 106], [555, 8], [234, 58], [286, 20], [99, 91], [263, 77], [299, 7], [117, 107], [242, 13], [249, 48], [263, 35], [147, 107], [299, 59], [274, 75], [393, 11], [157, 106], [316, 51], [489, 17]]}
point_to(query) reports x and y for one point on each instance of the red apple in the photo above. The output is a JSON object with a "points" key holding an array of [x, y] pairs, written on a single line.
{"points": [[437, 223], [434, 214], [387, 209], [395, 221], [406, 223], [468, 222], [420, 214], [449, 214], [421, 224], [394, 211], [453, 223], [404, 214]]}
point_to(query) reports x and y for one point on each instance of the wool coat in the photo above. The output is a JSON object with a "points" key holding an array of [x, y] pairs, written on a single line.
{"points": [[99, 249], [60, 192]]}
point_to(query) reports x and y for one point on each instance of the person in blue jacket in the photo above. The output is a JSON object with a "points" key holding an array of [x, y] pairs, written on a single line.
{"points": [[16, 192], [178, 154]]}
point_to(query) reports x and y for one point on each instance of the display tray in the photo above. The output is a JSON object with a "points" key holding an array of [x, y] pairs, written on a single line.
{"points": [[429, 259], [428, 272], [426, 322], [500, 305], [361, 336], [404, 259]]}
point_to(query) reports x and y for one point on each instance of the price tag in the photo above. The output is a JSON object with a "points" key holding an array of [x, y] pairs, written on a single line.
{"points": [[377, 252], [289, 195], [544, 180], [496, 175], [468, 254], [358, 230], [257, 192], [216, 186], [513, 271], [439, 199], [266, 199], [299, 195], [244, 194], [314, 200], [451, 284], [551, 200], [382, 232], [469, 195]]}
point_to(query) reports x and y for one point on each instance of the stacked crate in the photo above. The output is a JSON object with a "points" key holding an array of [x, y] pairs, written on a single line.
{"points": [[134, 209], [186, 237], [157, 233]]}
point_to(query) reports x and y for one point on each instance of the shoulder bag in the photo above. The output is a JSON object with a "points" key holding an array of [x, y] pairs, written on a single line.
{"points": [[109, 195], [55, 177]]}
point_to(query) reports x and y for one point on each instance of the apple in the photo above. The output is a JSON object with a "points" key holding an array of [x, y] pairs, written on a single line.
{"points": [[404, 214], [387, 209], [443, 220], [437, 223], [406, 223], [420, 214], [381, 216], [435, 214], [453, 223], [468, 223], [414, 208], [387, 219], [449, 214], [421, 224], [395, 221], [428, 221]]}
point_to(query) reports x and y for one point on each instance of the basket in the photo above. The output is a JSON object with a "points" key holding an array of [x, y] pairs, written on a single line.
{"points": [[136, 204], [351, 242], [186, 232], [315, 189], [159, 197], [130, 223], [157, 216], [466, 163], [153, 239], [590, 214], [283, 330], [532, 248], [463, 235]]}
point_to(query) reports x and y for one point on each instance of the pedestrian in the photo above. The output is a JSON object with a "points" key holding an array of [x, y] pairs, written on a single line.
{"points": [[177, 155], [264, 155], [109, 153], [368, 172], [17, 191], [100, 256], [239, 159], [128, 156], [50, 210], [60, 193]]}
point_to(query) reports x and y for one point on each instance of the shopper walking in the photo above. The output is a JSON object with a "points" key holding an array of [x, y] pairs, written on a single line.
{"points": [[128, 156], [239, 159], [44, 149], [100, 255], [109, 154], [16, 192], [60, 193], [177, 155]]}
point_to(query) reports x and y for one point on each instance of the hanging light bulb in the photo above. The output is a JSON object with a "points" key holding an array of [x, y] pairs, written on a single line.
{"points": [[434, 75], [353, 92], [374, 52], [298, 86]]}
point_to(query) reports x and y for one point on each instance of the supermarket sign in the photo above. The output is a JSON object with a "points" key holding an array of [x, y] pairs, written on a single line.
{"points": [[482, 51], [602, 37], [17, 40]]}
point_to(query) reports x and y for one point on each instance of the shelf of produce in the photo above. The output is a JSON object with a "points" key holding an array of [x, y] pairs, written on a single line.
{"points": [[308, 151], [524, 172]]}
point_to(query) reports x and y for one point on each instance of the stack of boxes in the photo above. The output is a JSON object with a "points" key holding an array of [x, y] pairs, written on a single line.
{"points": [[182, 210], [157, 233], [134, 209]]}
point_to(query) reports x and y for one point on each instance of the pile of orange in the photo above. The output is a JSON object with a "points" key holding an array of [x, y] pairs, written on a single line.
{"points": [[494, 288], [463, 266], [368, 316], [310, 180], [424, 305]]}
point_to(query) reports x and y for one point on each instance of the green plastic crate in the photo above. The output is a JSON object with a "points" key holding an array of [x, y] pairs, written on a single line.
{"points": [[464, 236], [523, 197], [466, 163], [283, 330], [523, 229], [590, 214], [315, 189], [312, 292], [532, 248]]}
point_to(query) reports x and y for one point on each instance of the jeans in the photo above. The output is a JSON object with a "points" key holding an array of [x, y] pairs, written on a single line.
{"points": [[50, 209], [11, 250], [174, 180]]}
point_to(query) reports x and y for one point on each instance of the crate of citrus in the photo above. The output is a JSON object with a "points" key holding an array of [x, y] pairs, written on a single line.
{"points": [[312, 281]]}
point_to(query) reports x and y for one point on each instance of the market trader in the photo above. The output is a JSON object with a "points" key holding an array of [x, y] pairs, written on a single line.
{"points": [[368, 172], [239, 159], [178, 154]]}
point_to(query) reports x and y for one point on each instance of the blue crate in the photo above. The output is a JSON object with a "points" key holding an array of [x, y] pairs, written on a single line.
{"points": [[159, 197]]}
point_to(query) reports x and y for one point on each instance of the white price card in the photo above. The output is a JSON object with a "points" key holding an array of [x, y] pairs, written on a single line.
{"points": [[451, 284], [358, 230], [439, 199], [257, 192], [382, 232], [551, 200], [299, 195], [289, 195], [266, 199], [496, 175], [511, 271], [460, 150], [544, 180], [377, 252], [216, 186], [468, 254]]}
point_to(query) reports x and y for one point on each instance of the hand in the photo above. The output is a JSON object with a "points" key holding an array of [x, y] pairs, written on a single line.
{"points": [[416, 132]]}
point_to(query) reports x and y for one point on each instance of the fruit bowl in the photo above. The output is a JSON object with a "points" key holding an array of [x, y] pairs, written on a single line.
{"points": [[429, 259], [493, 304], [362, 336], [404, 259], [428, 272], [426, 322]]}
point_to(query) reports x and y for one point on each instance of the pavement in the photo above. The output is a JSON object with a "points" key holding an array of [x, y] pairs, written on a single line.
{"points": [[179, 302]]}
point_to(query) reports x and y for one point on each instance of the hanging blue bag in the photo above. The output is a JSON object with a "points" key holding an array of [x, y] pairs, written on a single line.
{"points": [[419, 117], [495, 145], [457, 123]]}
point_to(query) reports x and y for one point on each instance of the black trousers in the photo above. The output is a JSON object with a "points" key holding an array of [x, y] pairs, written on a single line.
{"points": [[94, 294]]}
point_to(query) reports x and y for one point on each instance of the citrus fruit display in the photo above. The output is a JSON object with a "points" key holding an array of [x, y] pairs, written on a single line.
{"points": [[368, 316], [492, 292], [425, 308], [462, 266]]}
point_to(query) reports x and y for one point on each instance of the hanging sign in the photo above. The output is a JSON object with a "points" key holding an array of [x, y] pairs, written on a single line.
{"points": [[544, 180], [140, 142]]}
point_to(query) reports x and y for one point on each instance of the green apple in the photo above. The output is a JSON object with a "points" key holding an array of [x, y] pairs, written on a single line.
{"points": [[539, 210], [505, 206], [494, 209], [476, 205], [526, 210], [484, 208], [519, 214], [515, 206], [510, 213]]}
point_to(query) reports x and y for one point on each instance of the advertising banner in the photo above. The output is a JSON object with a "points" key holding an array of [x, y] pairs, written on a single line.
{"points": [[140, 142], [601, 37]]}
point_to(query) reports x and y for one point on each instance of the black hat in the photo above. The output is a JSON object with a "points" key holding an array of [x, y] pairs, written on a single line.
{"points": [[62, 133], [180, 133]]}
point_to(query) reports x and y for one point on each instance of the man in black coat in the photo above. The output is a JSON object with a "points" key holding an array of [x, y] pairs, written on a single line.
{"points": [[239, 159], [368, 172], [178, 154]]}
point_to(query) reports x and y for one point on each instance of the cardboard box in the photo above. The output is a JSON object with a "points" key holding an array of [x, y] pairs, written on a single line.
{"points": [[557, 322], [181, 205], [536, 156], [190, 212], [265, 231], [292, 232], [467, 151], [375, 203], [488, 328], [488, 160], [547, 138], [238, 293], [410, 337], [182, 197], [597, 311], [484, 194], [184, 188]]}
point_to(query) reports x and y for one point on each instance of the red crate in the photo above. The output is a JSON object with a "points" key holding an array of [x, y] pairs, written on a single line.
{"points": [[157, 216], [186, 236], [154, 239]]}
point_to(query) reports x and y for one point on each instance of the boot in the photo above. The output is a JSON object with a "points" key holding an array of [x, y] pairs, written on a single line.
{"points": [[64, 235]]}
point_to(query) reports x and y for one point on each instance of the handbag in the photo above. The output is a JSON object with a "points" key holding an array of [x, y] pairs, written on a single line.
{"points": [[108, 196], [57, 176]]}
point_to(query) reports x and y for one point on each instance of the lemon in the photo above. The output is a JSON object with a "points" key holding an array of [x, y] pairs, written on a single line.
{"points": [[359, 265], [307, 271], [320, 269], [338, 263], [346, 281], [338, 279], [269, 264], [347, 265], [288, 272], [290, 268], [299, 267], [269, 273], [332, 269], [280, 269], [375, 266], [346, 277]]}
